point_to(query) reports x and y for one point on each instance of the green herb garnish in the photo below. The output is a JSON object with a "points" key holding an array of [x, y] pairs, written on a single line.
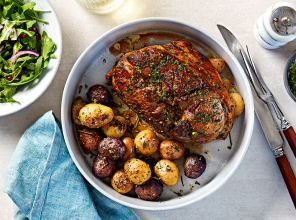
{"points": [[92, 154], [144, 144], [176, 147], [137, 121], [134, 151], [178, 194], [167, 168], [85, 132]]}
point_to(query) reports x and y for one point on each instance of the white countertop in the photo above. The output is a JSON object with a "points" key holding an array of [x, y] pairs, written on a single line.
{"points": [[257, 189]]}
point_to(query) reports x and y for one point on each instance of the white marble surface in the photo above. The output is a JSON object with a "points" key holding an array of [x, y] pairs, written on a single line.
{"points": [[256, 190]]}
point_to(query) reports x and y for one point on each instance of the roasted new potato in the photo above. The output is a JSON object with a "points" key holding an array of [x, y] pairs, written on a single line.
{"points": [[218, 63], [95, 115], [99, 94], [239, 103], [194, 166], [112, 148], [129, 144], [226, 83], [90, 138], [121, 183], [151, 190], [115, 128], [167, 171], [77, 105], [133, 121], [147, 142], [171, 149], [103, 167], [137, 171]]}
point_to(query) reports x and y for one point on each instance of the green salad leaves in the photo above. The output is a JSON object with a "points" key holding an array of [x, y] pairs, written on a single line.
{"points": [[24, 53]]}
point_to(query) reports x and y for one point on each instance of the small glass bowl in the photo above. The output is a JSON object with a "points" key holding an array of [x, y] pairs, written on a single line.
{"points": [[286, 74]]}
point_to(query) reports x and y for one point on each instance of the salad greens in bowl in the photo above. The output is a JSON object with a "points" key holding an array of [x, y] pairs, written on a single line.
{"points": [[290, 76], [30, 51]]}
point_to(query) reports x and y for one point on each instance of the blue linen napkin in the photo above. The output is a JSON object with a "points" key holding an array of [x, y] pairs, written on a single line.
{"points": [[44, 183]]}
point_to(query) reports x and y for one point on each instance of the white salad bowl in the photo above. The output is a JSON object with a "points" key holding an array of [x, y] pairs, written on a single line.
{"points": [[222, 160], [30, 92]]}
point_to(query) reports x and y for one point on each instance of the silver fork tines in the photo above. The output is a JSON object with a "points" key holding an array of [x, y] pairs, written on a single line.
{"points": [[262, 83], [261, 89], [258, 89]]}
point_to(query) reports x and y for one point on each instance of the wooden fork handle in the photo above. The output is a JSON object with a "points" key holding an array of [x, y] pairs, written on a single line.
{"points": [[291, 138], [288, 176]]}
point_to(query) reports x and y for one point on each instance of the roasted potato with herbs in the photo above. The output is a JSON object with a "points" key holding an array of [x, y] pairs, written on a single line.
{"points": [[151, 190], [115, 128], [121, 183], [194, 166], [171, 149], [137, 171], [218, 63], [133, 120], [95, 115], [239, 103], [77, 105], [226, 83], [90, 138], [99, 94], [129, 144], [147, 142], [112, 148], [103, 167], [167, 171]]}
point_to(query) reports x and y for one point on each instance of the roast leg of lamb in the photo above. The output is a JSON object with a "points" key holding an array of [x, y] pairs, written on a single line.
{"points": [[176, 90]]}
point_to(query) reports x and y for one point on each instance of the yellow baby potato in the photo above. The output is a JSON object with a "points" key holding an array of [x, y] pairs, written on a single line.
{"points": [[137, 171], [171, 149], [95, 115], [167, 171], [147, 142], [239, 103], [121, 183], [226, 83], [115, 128], [218, 63]]}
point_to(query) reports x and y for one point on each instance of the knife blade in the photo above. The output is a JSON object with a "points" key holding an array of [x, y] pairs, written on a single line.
{"points": [[265, 118]]}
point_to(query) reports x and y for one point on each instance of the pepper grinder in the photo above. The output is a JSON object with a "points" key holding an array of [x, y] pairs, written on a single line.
{"points": [[277, 26]]}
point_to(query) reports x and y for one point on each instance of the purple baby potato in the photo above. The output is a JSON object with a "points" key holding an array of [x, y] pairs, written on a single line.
{"points": [[103, 167], [99, 94], [194, 166], [112, 148], [90, 138], [151, 190]]}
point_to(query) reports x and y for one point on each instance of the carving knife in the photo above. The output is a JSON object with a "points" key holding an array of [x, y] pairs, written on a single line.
{"points": [[265, 118]]}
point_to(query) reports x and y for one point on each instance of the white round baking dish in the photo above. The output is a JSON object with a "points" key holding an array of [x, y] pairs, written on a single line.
{"points": [[89, 68]]}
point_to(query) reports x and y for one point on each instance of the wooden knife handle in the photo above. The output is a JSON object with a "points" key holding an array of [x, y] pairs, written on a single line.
{"points": [[291, 138], [288, 176]]}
